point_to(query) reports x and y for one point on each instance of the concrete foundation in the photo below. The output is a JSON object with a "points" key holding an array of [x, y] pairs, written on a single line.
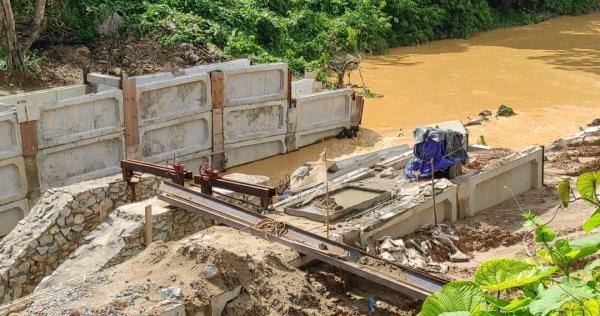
{"points": [[11, 214]]}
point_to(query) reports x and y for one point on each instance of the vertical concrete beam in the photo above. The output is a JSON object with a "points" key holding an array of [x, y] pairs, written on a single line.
{"points": [[131, 119], [29, 140], [27, 117], [218, 103], [289, 90], [360, 102]]}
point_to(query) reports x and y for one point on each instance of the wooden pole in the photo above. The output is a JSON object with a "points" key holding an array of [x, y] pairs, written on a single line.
{"points": [[217, 81], [433, 193], [326, 190], [148, 225]]}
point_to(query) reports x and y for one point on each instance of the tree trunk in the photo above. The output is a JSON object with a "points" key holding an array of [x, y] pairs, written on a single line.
{"points": [[14, 49], [15, 60]]}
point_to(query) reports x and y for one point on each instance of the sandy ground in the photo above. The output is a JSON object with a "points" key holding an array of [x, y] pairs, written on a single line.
{"points": [[270, 285]]}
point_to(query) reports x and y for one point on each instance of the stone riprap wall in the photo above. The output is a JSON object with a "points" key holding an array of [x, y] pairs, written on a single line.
{"points": [[56, 226], [62, 136], [122, 236]]}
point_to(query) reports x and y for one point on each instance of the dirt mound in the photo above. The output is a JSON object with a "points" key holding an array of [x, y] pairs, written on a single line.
{"points": [[486, 159], [63, 64], [479, 238]]}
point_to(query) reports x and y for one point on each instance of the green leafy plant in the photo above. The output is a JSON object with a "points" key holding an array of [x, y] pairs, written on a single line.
{"points": [[551, 282]]}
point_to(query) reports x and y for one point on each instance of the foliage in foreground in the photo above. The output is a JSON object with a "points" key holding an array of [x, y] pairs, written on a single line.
{"points": [[560, 279]]}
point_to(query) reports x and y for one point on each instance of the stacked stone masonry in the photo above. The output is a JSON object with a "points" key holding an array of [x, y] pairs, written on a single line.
{"points": [[56, 226]]}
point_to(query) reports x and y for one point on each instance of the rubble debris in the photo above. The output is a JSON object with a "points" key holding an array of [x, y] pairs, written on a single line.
{"points": [[170, 293], [595, 122]]}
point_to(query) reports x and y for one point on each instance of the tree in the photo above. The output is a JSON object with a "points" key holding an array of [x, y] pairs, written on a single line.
{"points": [[16, 47]]}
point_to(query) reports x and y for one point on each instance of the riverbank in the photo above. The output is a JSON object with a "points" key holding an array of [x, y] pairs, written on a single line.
{"points": [[548, 72]]}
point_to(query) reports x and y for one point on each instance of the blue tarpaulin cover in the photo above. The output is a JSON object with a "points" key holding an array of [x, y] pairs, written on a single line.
{"points": [[444, 147]]}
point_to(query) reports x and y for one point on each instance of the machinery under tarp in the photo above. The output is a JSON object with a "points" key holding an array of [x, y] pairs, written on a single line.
{"points": [[437, 149]]}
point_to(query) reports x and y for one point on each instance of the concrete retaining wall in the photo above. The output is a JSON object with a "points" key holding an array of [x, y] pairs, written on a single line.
{"points": [[486, 189], [14, 181], [10, 141], [247, 122], [182, 136], [74, 119], [243, 152], [81, 132], [174, 98], [11, 214], [323, 109], [80, 161], [255, 84]]}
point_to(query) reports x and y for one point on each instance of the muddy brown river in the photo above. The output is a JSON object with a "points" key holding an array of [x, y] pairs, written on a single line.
{"points": [[549, 73]]}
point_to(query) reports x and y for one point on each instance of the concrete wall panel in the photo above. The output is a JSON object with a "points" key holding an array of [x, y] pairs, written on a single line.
{"points": [[14, 180], [254, 84], [323, 109], [10, 141], [42, 96], [166, 100], [11, 214], [487, 189], [243, 152], [80, 161], [302, 87], [177, 137], [80, 118], [247, 122], [234, 64], [312, 136]]}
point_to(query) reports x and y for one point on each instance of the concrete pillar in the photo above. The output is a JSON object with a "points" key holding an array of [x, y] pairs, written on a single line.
{"points": [[218, 103]]}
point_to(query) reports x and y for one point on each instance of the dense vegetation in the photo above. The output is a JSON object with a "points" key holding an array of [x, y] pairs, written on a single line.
{"points": [[559, 276], [304, 33]]}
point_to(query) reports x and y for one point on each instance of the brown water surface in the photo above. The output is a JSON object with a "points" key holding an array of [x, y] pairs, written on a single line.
{"points": [[549, 73]]}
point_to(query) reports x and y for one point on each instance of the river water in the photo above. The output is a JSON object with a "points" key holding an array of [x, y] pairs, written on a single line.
{"points": [[549, 73]]}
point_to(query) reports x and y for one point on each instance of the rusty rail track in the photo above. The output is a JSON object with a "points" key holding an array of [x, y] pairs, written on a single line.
{"points": [[414, 283]]}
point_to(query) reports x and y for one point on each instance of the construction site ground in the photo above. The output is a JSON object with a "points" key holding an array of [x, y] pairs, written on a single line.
{"points": [[231, 271]]}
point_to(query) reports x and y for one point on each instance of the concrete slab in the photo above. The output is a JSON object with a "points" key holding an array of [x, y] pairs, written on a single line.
{"points": [[153, 78], [182, 136], [166, 100], [80, 161], [247, 151], [247, 122], [327, 108], [74, 119], [10, 142], [255, 84], [234, 64], [14, 180], [302, 87], [11, 214], [350, 199], [42, 96]]}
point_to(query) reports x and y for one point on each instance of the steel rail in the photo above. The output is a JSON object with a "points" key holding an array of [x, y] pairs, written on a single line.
{"points": [[411, 282]]}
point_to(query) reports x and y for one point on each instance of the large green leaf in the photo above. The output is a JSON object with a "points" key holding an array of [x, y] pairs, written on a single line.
{"points": [[567, 251], [592, 222], [556, 296], [518, 304], [564, 188], [587, 308], [587, 184], [503, 274], [544, 234], [458, 296]]}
